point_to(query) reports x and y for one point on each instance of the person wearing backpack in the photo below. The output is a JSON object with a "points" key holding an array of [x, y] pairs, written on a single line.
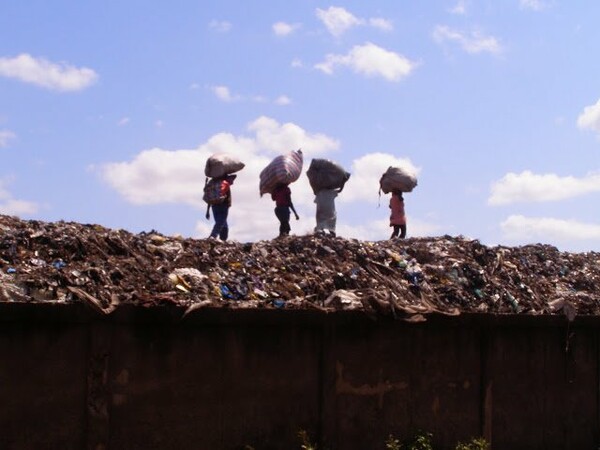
{"points": [[282, 196], [220, 206]]}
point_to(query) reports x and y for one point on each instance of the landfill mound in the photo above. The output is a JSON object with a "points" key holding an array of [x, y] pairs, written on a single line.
{"points": [[65, 262]]}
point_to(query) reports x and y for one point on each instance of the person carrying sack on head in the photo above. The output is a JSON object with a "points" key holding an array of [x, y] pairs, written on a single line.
{"points": [[220, 203], [282, 196], [397, 216]]}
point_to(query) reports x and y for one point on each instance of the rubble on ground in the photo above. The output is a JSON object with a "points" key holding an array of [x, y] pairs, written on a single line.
{"points": [[66, 262]]}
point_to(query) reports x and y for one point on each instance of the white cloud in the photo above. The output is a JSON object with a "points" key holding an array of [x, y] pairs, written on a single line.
{"points": [[11, 206], [590, 117], [460, 8], [285, 29], [366, 172], [529, 187], [382, 24], [546, 229], [163, 176], [5, 137], [124, 121], [534, 5], [370, 60], [223, 93], [473, 42], [276, 138], [54, 76], [297, 62], [338, 20], [222, 26], [159, 123], [283, 100]]}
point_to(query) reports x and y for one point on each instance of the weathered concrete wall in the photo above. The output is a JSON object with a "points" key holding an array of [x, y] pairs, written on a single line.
{"points": [[224, 379]]}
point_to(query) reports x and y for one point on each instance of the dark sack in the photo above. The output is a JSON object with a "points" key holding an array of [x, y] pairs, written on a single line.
{"points": [[215, 191], [325, 174], [397, 179], [221, 164]]}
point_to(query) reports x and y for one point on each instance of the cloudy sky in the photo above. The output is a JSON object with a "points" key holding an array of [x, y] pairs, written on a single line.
{"points": [[108, 111]]}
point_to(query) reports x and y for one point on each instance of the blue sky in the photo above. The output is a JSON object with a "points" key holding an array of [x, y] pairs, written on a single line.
{"points": [[108, 111]]}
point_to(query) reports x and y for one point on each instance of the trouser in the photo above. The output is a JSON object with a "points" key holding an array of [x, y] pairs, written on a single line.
{"points": [[283, 214], [221, 228], [399, 229]]}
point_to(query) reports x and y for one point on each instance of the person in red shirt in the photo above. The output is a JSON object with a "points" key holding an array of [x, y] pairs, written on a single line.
{"points": [[221, 210], [397, 217], [282, 196]]}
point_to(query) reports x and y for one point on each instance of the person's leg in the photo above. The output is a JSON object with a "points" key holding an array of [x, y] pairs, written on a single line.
{"points": [[395, 231], [220, 215], [283, 214], [331, 223], [402, 231]]}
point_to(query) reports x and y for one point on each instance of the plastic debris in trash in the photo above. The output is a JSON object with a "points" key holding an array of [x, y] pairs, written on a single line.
{"points": [[11, 270], [278, 303], [38, 262], [59, 264]]}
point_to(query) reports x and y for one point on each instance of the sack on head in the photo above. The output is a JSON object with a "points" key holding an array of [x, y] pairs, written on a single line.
{"points": [[397, 179], [284, 169], [221, 164], [325, 174]]}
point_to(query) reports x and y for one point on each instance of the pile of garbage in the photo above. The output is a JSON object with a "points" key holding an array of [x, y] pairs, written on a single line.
{"points": [[66, 262]]}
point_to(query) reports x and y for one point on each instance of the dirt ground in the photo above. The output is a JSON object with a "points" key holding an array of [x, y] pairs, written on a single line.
{"points": [[69, 262]]}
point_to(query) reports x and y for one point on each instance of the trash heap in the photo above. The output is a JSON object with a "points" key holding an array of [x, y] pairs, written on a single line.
{"points": [[65, 262]]}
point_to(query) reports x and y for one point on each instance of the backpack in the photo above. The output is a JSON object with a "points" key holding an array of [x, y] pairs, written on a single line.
{"points": [[215, 191]]}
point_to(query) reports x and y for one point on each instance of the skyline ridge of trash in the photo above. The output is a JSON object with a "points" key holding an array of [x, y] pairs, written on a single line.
{"points": [[65, 262]]}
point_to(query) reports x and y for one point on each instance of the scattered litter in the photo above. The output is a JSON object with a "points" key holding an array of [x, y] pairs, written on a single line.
{"points": [[406, 279]]}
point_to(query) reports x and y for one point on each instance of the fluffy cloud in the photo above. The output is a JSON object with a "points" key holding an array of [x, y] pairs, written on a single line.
{"points": [[54, 76], [223, 93], [11, 206], [590, 117], [5, 137], [338, 20], [273, 137], [366, 172], [285, 29], [547, 229], [473, 42], [529, 187], [175, 176], [370, 60]]}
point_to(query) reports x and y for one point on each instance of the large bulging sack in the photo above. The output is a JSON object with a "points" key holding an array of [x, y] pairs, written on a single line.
{"points": [[397, 179], [221, 164], [284, 169], [325, 174]]}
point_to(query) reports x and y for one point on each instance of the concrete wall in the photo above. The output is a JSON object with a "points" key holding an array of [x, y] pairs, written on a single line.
{"points": [[224, 379]]}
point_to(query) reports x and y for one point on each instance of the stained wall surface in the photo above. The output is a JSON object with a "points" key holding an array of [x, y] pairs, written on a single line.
{"points": [[227, 379]]}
